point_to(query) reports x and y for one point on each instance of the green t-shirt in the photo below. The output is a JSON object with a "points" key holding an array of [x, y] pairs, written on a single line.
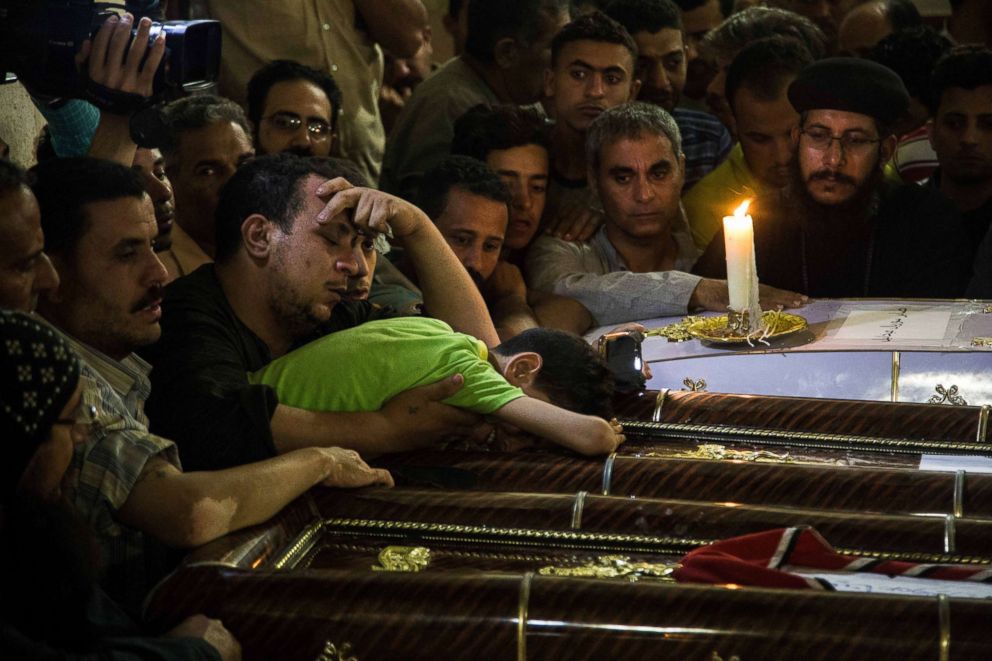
{"points": [[360, 368]]}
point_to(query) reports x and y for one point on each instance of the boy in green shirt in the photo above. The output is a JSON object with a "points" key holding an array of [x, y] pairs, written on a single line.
{"points": [[545, 382]]}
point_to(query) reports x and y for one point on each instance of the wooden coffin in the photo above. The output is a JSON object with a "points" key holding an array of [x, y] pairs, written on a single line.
{"points": [[657, 416], [866, 486], [303, 587], [682, 524]]}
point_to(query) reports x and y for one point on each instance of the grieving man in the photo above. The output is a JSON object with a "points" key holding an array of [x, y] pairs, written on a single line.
{"points": [[757, 81], [592, 69], [839, 229], [635, 267], [292, 237], [126, 482]]}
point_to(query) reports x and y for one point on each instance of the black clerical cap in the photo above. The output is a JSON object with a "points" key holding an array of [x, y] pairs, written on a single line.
{"points": [[851, 84]]}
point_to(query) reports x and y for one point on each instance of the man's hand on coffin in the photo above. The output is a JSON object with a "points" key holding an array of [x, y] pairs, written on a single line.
{"points": [[347, 470], [210, 631], [713, 295], [417, 418]]}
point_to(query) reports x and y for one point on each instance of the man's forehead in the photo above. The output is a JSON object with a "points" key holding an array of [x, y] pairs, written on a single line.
{"points": [[595, 54], [977, 100], [841, 120], [663, 42], [649, 146], [120, 218]]}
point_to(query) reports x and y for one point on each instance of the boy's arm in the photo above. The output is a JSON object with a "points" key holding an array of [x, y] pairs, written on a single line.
{"points": [[584, 434]]}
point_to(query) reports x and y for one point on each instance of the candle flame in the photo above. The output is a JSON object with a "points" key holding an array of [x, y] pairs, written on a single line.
{"points": [[741, 211]]}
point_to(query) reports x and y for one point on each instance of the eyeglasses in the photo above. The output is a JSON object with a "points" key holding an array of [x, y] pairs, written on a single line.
{"points": [[290, 122], [820, 139], [82, 423]]}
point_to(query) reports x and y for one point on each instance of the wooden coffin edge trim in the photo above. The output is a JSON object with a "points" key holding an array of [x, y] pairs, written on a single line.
{"points": [[818, 440], [569, 539]]}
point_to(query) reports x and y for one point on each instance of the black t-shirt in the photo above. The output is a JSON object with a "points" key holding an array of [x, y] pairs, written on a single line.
{"points": [[201, 397], [914, 247]]}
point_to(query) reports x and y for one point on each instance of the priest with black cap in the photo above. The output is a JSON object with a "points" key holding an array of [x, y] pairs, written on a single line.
{"points": [[840, 229]]}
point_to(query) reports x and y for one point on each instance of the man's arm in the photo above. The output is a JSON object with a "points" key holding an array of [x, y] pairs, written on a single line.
{"points": [[571, 270], [554, 311], [413, 419], [449, 293], [396, 25], [185, 510]]}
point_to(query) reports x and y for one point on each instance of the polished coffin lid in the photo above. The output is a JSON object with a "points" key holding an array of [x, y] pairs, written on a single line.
{"points": [[853, 349]]}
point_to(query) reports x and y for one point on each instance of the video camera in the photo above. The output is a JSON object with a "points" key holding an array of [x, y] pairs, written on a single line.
{"points": [[39, 40]]}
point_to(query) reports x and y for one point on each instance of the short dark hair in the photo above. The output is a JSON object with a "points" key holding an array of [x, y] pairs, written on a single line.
{"points": [[645, 15], [967, 66], [490, 21], [269, 185], [63, 186], [689, 5], [902, 14], [454, 6], [595, 26], [195, 112], [573, 375], [280, 71], [912, 54], [766, 67], [744, 27], [465, 173], [12, 177], [485, 128]]}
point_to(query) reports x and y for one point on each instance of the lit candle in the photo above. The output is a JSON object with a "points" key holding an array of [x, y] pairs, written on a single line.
{"points": [[738, 232]]}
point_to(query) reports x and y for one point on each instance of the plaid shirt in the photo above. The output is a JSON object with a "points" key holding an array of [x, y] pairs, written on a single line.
{"points": [[106, 468]]}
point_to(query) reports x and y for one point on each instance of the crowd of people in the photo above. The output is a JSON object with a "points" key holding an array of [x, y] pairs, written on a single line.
{"points": [[195, 333]]}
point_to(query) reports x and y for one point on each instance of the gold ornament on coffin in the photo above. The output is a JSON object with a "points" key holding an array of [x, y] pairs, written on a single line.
{"points": [[403, 559], [716, 452], [614, 566], [982, 342], [677, 332], [775, 324], [698, 385]]}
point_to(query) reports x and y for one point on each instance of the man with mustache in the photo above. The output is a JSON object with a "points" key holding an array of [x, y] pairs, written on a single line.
{"points": [[592, 70], [635, 266], [838, 229], [293, 108]]}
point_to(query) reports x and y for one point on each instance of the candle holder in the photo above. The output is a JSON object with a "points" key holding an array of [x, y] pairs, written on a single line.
{"points": [[739, 323]]}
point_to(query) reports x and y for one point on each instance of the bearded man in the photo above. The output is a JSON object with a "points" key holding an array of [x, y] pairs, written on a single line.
{"points": [[838, 229]]}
